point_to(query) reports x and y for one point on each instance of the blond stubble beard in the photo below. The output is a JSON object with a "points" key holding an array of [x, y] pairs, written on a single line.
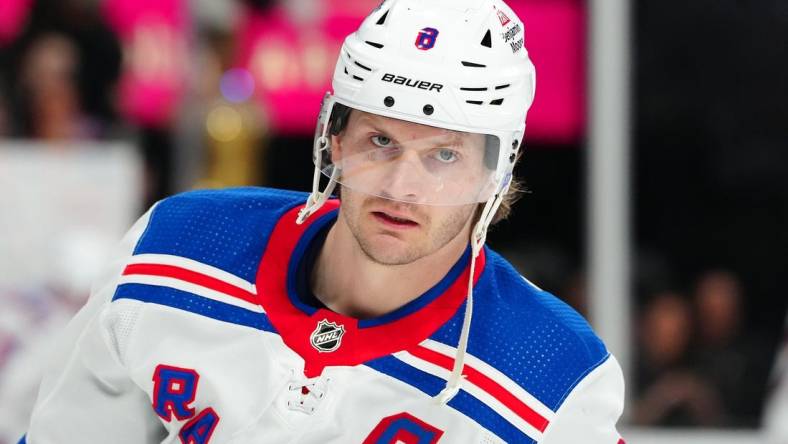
{"points": [[433, 239]]}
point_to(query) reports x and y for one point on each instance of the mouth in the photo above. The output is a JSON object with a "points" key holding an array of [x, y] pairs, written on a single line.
{"points": [[395, 221]]}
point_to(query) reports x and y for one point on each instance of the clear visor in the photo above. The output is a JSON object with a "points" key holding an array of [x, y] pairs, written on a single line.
{"points": [[405, 161]]}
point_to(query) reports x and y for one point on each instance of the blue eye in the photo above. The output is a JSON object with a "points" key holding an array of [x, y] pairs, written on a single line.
{"points": [[446, 156], [381, 141]]}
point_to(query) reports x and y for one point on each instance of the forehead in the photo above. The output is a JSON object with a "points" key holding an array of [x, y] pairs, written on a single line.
{"points": [[403, 130]]}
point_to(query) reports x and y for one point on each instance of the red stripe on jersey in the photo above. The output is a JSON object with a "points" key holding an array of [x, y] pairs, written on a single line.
{"points": [[488, 385], [191, 277]]}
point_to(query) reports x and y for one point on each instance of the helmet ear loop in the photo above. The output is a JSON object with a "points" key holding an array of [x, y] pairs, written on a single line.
{"points": [[479, 232], [317, 198], [478, 237]]}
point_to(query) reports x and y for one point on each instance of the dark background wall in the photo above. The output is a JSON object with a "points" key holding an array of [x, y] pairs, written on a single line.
{"points": [[711, 137]]}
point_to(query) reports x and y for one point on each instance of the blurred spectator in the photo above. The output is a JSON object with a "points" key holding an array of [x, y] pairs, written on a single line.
{"points": [[59, 72], [666, 328], [735, 364], [48, 81], [718, 301], [671, 393]]}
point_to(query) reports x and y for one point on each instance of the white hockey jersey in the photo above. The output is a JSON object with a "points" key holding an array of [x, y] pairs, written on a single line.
{"points": [[198, 334]]}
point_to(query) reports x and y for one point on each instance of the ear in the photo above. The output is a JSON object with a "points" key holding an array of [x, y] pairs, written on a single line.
{"points": [[336, 149]]}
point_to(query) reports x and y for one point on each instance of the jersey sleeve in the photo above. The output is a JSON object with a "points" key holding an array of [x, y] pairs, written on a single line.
{"points": [[86, 394], [591, 410]]}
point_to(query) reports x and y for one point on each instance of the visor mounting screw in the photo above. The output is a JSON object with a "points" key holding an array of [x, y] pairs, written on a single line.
{"points": [[388, 101], [515, 144], [512, 158], [428, 110]]}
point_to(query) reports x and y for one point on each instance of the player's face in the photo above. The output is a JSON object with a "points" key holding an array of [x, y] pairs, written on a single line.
{"points": [[389, 226], [413, 163]]}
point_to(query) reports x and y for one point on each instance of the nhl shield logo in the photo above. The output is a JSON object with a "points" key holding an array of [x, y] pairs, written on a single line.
{"points": [[327, 337]]}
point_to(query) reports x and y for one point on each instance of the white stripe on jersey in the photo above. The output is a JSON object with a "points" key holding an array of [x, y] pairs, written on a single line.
{"points": [[190, 264], [474, 391], [190, 288], [494, 374]]}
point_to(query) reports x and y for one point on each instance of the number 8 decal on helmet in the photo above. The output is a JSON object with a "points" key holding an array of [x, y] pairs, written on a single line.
{"points": [[426, 38]]}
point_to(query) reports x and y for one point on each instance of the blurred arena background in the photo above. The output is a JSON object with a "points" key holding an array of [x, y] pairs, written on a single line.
{"points": [[656, 159]]}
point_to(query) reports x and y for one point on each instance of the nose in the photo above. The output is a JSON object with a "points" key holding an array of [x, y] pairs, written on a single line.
{"points": [[405, 179]]}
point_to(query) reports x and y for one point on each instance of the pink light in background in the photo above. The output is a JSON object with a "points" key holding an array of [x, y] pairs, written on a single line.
{"points": [[13, 15], [153, 34], [126, 16], [292, 64], [555, 36]]}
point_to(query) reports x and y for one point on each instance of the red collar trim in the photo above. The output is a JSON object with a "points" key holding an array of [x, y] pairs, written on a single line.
{"points": [[356, 345]]}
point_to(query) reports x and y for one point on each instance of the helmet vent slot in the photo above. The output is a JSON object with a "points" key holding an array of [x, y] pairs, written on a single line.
{"points": [[382, 19], [376, 45], [487, 40], [473, 89], [497, 102], [502, 86], [473, 65], [475, 102], [365, 68]]}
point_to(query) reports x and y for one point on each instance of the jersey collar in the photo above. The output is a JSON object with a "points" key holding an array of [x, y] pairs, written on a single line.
{"points": [[325, 338]]}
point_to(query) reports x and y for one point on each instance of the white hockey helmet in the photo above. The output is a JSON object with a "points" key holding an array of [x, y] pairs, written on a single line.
{"points": [[457, 65]]}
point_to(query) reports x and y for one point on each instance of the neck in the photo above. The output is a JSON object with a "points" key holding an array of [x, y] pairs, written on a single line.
{"points": [[348, 282]]}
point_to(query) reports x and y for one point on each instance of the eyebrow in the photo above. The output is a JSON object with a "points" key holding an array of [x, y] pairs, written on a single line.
{"points": [[447, 138]]}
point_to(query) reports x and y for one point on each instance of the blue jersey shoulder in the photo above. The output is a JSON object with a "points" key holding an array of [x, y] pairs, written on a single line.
{"points": [[528, 334], [227, 229]]}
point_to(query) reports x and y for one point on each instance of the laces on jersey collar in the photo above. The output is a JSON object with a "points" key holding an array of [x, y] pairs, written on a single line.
{"points": [[306, 393]]}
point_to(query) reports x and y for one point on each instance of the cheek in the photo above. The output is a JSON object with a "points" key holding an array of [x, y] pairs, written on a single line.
{"points": [[346, 201], [454, 219], [352, 203]]}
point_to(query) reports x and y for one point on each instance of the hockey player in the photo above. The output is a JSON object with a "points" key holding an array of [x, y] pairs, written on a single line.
{"points": [[261, 316]]}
